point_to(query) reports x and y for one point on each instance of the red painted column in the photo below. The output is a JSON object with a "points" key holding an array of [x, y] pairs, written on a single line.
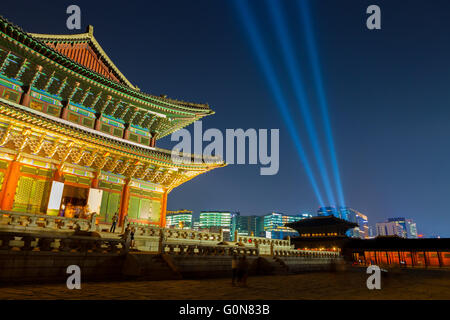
{"points": [[124, 202], [65, 111], [126, 133], [25, 98], [163, 210], [441, 262], [95, 180], [58, 175], [10, 185], [97, 123], [425, 258], [152, 142]]}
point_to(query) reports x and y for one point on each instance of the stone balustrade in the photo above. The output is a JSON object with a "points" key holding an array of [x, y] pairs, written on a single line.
{"points": [[187, 249], [147, 237], [181, 234], [20, 221], [259, 241], [24, 241], [176, 234], [305, 253]]}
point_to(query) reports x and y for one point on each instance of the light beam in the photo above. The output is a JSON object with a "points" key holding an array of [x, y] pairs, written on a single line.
{"points": [[260, 52], [318, 81], [294, 71]]}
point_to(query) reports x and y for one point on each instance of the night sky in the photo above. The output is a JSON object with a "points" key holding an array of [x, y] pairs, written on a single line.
{"points": [[388, 94]]}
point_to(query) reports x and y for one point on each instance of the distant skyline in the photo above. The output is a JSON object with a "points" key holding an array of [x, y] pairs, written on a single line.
{"points": [[387, 90]]}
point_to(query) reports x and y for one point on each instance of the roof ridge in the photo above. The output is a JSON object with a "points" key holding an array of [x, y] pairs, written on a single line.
{"points": [[135, 90], [89, 34]]}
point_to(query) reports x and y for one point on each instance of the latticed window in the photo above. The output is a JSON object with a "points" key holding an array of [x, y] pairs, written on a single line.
{"points": [[31, 195]]}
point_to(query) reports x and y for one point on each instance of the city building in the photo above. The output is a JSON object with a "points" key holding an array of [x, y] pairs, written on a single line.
{"points": [[216, 221], [352, 215], [372, 232], [196, 223], [349, 214], [274, 225], [389, 229], [344, 213], [328, 211], [76, 136], [181, 219], [248, 226], [408, 225], [402, 227]]}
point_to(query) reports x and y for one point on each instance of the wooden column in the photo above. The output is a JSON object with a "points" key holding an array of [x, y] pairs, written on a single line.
{"points": [[439, 255], [58, 175], [124, 202], [95, 180], [126, 132], [97, 122], [163, 210], [153, 142], [25, 98], [10, 185], [65, 111], [425, 259]]}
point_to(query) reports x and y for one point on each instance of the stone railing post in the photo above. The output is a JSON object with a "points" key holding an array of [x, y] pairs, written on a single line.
{"points": [[14, 219], [50, 222], [32, 221], [93, 221]]}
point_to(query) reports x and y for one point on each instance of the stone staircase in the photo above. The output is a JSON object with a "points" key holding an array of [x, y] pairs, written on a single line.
{"points": [[145, 266], [279, 266]]}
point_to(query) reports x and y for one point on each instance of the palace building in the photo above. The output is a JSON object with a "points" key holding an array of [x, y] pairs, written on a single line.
{"points": [[76, 136]]}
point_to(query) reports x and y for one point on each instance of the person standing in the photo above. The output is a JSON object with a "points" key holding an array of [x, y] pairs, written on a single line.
{"points": [[132, 231], [114, 223], [234, 269], [243, 271]]}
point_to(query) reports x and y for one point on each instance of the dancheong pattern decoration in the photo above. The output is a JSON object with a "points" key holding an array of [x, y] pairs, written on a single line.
{"points": [[67, 114]]}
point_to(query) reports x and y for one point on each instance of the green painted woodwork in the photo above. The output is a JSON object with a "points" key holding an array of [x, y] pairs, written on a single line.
{"points": [[144, 209], [133, 207], [75, 179], [110, 205], [111, 186], [31, 195], [36, 171]]}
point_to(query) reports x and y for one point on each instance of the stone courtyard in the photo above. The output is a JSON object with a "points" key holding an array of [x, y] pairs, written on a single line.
{"points": [[401, 284]]}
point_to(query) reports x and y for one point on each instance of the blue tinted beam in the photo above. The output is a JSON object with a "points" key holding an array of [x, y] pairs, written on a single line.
{"points": [[318, 81], [260, 52], [294, 72]]}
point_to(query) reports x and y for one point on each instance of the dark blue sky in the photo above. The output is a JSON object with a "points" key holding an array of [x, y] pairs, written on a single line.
{"points": [[387, 90]]}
